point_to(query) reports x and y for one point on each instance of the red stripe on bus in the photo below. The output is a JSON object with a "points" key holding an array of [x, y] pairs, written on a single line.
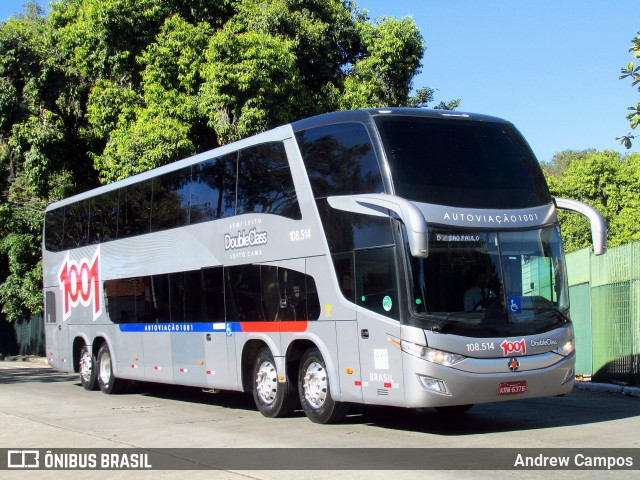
{"points": [[274, 327]]}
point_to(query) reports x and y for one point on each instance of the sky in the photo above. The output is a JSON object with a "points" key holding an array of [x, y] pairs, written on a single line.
{"points": [[551, 67]]}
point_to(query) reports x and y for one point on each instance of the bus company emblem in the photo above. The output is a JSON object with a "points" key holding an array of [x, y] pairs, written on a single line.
{"points": [[509, 347], [514, 364], [245, 240], [80, 284]]}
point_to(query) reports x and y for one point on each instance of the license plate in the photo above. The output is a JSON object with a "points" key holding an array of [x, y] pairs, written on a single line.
{"points": [[512, 388]]}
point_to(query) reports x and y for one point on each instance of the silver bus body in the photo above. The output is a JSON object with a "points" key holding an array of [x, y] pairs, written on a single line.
{"points": [[346, 288]]}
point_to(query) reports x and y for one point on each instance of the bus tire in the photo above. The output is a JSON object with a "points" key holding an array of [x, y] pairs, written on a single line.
{"points": [[87, 369], [108, 382], [273, 398], [314, 390]]}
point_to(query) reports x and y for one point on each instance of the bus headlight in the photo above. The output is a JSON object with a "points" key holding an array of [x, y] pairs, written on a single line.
{"points": [[567, 348], [431, 355]]}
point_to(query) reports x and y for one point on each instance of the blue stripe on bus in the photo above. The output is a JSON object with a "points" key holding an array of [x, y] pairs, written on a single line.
{"points": [[220, 327], [179, 327]]}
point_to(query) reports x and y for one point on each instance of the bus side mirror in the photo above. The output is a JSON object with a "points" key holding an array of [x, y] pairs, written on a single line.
{"points": [[598, 225], [384, 205]]}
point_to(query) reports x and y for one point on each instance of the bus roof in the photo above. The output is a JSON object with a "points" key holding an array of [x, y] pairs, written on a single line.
{"points": [[364, 116]]}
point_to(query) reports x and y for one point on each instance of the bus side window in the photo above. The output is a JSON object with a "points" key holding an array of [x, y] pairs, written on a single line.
{"points": [[125, 299], [340, 160], [103, 217], [213, 293], [343, 263], [213, 189], [134, 214], [54, 230], [50, 307], [313, 300], [244, 295], [376, 286], [76, 222], [170, 205], [265, 184]]}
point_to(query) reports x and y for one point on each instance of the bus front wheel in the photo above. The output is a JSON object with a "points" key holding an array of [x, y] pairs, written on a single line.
{"points": [[87, 369], [107, 381], [314, 390], [272, 397]]}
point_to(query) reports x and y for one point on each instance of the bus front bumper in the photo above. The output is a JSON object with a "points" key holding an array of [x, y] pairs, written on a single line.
{"points": [[432, 385]]}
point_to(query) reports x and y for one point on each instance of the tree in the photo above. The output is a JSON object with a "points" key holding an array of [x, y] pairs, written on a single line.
{"points": [[38, 138], [103, 89], [632, 71], [607, 182], [561, 161]]}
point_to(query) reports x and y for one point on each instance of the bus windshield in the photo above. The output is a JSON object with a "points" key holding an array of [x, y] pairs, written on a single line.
{"points": [[461, 163], [490, 283]]}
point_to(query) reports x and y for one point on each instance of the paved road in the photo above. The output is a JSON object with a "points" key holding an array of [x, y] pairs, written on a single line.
{"points": [[41, 408]]}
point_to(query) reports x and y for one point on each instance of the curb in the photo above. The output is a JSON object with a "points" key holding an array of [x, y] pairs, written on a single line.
{"points": [[608, 388], [24, 358]]}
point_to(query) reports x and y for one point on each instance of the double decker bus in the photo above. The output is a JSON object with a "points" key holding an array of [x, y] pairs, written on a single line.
{"points": [[399, 257]]}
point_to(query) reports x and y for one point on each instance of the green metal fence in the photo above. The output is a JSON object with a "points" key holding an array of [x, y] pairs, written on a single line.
{"points": [[605, 307], [23, 337]]}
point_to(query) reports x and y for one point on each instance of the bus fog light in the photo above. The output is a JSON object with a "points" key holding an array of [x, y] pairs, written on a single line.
{"points": [[569, 376], [434, 384]]}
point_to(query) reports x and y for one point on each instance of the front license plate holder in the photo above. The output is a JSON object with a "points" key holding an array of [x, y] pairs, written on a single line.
{"points": [[512, 388]]}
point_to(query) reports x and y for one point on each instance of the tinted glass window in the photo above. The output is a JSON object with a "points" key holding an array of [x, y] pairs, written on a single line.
{"points": [[344, 265], [54, 230], [270, 293], [76, 225], [461, 163], [50, 307], [265, 184], [171, 197], [347, 231], [185, 296], [376, 287], [103, 217], [126, 299], [135, 209], [340, 160], [213, 291], [253, 293], [213, 189], [244, 294]]}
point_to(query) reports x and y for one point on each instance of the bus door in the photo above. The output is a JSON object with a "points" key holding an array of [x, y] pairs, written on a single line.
{"points": [[156, 344], [379, 326], [56, 335], [218, 342]]}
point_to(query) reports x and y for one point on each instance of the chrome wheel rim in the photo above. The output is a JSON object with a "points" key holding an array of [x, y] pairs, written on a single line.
{"points": [[315, 385], [86, 366], [105, 368], [267, 383]]}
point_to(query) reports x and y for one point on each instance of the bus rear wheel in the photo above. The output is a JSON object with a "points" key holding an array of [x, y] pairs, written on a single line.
{"points": [[108, 382], [315, 392], [272, 397], [87, 369]]}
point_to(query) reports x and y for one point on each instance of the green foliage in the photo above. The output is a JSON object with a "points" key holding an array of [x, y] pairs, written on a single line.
{"points": [[606, 181], [382, 75], [103, 89], [251, 82], [562, 160], [632, 71]]}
